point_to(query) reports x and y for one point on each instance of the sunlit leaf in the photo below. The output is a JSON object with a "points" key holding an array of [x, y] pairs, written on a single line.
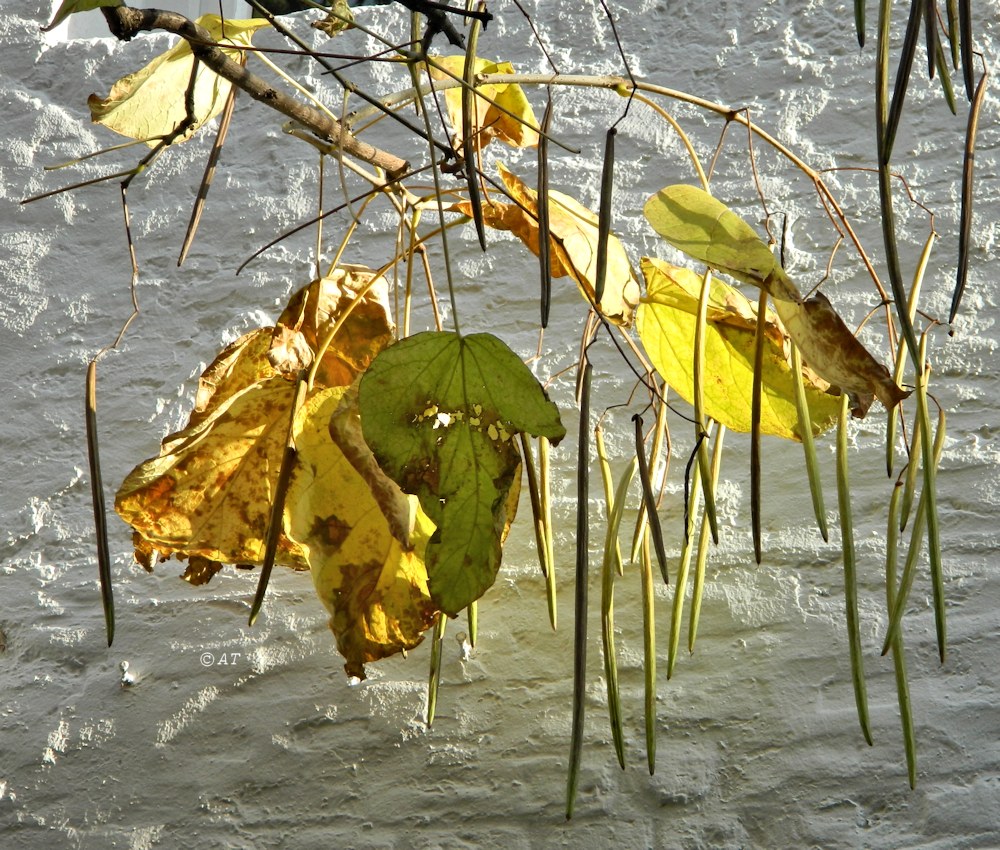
{"points": [[440, 412], [209, 491], [574, 232], [694, 222], [704, 228], [150, 103], [365, 553], [71, 7], [490, 122], [666, 323]]}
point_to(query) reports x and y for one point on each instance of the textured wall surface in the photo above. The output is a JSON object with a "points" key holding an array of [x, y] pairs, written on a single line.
{"points": [[252, 738]]}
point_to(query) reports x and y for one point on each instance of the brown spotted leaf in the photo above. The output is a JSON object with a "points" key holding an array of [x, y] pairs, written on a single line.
{"points": [[209, 492], [363, 538]]}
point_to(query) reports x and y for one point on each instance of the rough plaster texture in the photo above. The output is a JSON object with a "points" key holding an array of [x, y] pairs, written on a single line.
{"points": [[758, 741]]}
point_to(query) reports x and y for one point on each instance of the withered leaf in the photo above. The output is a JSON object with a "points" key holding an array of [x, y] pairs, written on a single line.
{"points": [[574, 239], [209, 491]]}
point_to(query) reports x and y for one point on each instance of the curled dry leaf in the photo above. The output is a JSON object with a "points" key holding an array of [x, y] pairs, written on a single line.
{"points": [[667, 321], [208, 493], [514, 124], [574, 238], [704, 228], [150, 103]]}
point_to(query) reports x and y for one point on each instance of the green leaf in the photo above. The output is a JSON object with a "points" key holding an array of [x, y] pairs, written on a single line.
{"points": [[440, 412], [70, 7], [667, 323], [150, 103]]}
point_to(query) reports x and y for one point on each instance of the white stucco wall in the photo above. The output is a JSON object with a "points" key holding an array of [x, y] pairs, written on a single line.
{"points": [[759, 745]]}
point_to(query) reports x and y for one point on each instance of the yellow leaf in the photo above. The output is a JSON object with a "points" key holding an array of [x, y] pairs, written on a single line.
{"points": [[489, 121], [574, 237], [209, 491], [365, 551], [150, 103], [701, 226], [666, 322]]}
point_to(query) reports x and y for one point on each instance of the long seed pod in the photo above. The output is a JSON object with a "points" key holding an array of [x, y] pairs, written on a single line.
{"points": [[882, 79], [544, 479], [536, 503], [809, 444], [470, 109], [928, 495], [648, 653], [472, 613], [968, 170], [206, 181], [278, 505], [912, 555], [699, 572], [604, 214], [699, 403], [582, 578], [756, 399], [912, 469], [965, 26], [930, 35], [680, 586], [898, 657], [434, 676], [649, 500], [951, 8], [660, 439], [897, 374], [100, 512], [850, 574], [544, 243], [611, 565], [609, 494], [907, 52], [941, 63], [859, 21]]}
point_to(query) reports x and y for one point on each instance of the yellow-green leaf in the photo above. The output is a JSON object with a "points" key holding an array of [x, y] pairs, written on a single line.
{"points": [[693, 221], [150, 103], [666, 323], [440, 412], [514, 124]]}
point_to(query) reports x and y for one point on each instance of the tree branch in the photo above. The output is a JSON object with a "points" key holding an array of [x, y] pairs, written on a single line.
{"points": [[125, 23]]}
